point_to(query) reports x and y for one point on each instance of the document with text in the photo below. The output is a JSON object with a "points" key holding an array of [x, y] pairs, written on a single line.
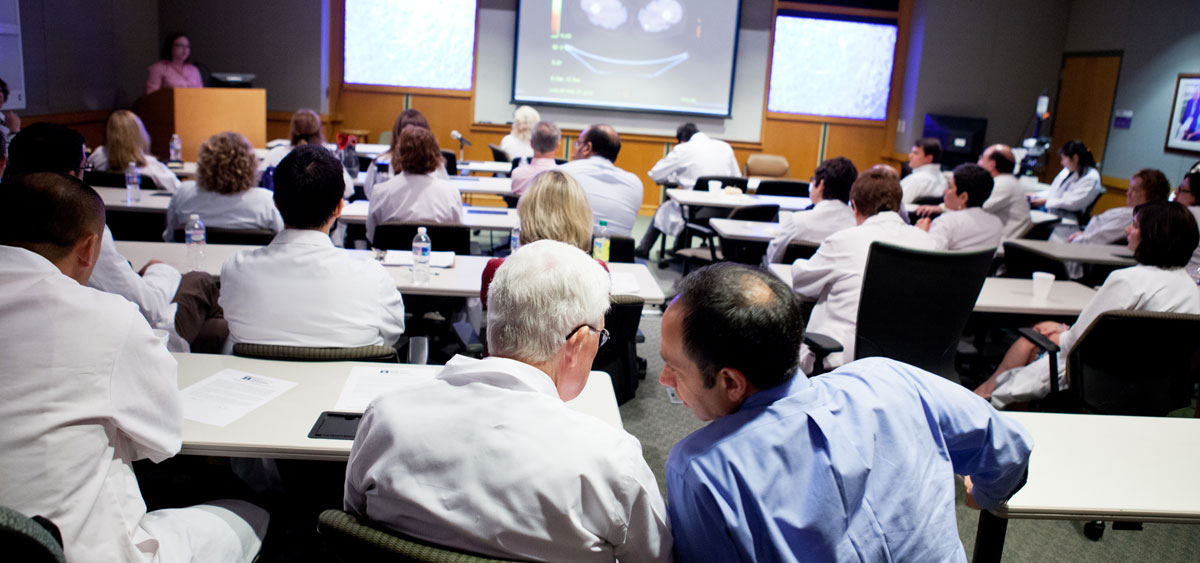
{"points": [[365, 383], [228, 395]]}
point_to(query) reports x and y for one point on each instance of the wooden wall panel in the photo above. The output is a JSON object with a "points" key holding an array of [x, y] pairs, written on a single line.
{"points": [[798, 141], [859, 144]]}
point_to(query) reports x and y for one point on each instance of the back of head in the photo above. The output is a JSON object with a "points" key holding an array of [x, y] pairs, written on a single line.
{"points": [[1002, 157], [975, 181], [226, 164], [838, 174], [1075, 147], [419, 152], [545, 137], [1193, 177], [45, 147], [306, 128], [523, 119], [541, 294], [741, 318], [876, 191], [931, 147], [1155, 186], [1168, 232], [685, 132], [308, 187], [556, 208], [408, 117], [126, 140], [49, 213], [605, 141]]}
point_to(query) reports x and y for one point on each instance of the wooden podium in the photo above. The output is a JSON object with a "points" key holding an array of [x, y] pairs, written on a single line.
{"points": [[198, 113]]}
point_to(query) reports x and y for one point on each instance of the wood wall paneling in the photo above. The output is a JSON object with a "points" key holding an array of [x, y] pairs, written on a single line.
{"points": [[798, 141], [860, 144]]}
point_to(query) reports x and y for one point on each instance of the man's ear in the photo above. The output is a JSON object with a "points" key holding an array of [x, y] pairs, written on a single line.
{"points": [[338, 212], [734, 385], [87, 250]]}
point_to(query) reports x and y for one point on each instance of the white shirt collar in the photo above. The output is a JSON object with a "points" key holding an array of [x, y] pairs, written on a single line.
{"points": [[26, 261], [931, 168], [499, 372], [302, 236], [883, 217]]}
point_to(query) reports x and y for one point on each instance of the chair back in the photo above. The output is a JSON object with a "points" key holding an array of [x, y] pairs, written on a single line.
{"points": [[621, 249], [915, 303], [218, 235], [1085, 214], [799, 249], [385, 138], [726, 181], [25, 539], [1135, 363], [1042, 230], [105, 179], [385, 354], [929, 200], [1021, 263], [618, 357], [399, 236], [791, 188], [451, 162], [349, 539], [498, 154], [745, 251], [766, 165]]}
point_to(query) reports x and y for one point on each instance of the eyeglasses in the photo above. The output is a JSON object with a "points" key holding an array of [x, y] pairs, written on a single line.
{"points": [[602, 332]]}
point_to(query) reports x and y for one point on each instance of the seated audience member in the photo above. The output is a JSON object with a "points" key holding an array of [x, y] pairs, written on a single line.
{"points": [[614, 194], [1146, 186], [126, 141], [830, 194], [1075, 187], [10, 122], [545, 140], [695, 156], [833, 276], [301, 290], [1008, 198], [926, 179], [1186, 197], [387, 165], [416, 193], [517, 144], [3, 156], [306, 130], [174, 68], [501, 467], [854, 465], [89, 388], [184, 305], [965, 225], [224, 194], [1162, 237]]}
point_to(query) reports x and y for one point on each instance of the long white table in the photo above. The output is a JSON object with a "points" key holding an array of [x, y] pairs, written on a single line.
{"points": [[1103, 254], [485, 166], [703, 198], [152, 201], [280, 428], [487, 218], [468, 185], [754, 231]]}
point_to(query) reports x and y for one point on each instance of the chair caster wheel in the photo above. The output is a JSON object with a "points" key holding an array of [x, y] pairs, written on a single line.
{"points": [[1094, 530]]}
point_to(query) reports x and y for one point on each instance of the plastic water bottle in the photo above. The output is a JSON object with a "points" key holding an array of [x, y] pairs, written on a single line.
{"points": [[514, 239], [176, 149], [133, 184], [383, 172], [194, 235], [421, 248], [601, 242]]}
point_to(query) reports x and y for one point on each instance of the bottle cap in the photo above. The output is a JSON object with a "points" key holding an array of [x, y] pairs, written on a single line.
{"points": [[194, 217], [603, 223], [420, 230]]}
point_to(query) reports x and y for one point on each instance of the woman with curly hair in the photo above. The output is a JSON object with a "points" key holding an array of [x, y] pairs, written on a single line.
{"points": [[127, 141], [224, 194], [415, 194]]}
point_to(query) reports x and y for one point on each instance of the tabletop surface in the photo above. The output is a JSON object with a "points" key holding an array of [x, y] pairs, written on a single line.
{"points": [[720, 199], [489, 218], [1106, 254]]}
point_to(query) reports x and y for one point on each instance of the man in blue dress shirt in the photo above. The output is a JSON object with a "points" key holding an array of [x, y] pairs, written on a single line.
{"points": [[854, 465]]}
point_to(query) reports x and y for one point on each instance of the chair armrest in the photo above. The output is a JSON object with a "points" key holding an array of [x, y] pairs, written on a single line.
{"points": [[821, 344], [701, 229], [1038, 339]]}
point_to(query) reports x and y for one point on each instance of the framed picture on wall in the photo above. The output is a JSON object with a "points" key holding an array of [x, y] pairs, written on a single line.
{"points": [[1183, 132]]}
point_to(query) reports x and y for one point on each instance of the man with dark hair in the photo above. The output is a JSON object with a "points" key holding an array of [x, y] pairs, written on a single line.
{"points": [[184, 305], [695, 156], [90, 388], [544, 139], [300, 290], [854, 465], [926, 179], [614, 194], [833, 276], [1007, 201], [965, 225], [830, 194]]}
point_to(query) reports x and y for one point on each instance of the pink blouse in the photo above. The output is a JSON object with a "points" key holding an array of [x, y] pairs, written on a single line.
{"points": [[163, 74]]}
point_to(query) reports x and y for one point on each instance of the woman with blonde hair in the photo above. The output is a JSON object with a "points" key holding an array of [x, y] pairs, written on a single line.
{"points": [[224, 194], [516, 144], [305, 130], [127, 141]]}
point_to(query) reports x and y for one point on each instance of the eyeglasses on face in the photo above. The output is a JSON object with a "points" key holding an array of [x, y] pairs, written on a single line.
{"points": [[602, 332]]}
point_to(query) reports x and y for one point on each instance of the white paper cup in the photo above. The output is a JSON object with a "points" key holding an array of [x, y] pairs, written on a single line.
{"points": [[714, 185], [1042, 282]]}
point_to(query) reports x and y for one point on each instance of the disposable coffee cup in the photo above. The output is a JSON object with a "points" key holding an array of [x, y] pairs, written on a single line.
{"points": [[1042, 282]]}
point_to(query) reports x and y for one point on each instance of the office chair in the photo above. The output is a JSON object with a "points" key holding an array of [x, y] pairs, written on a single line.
{"points": [[106, 179], [498, 154], [799, 249], [733, 250], [791, 188], [621, 249], [218, 235], [928, 200], [913, 307], [618, 357], [350, 539], [385, 354], [399, 236], [697, 216], [766, 165], [1042, 231], [520, 161], [1021, 263], [451, 162], [1085, 215], [33, 540]]}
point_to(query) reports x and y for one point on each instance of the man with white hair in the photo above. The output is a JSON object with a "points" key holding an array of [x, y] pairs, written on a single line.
{"points": [[486, 457]]}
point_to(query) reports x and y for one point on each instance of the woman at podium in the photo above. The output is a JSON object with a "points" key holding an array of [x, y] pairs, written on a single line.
{"points": [[173, 70]]}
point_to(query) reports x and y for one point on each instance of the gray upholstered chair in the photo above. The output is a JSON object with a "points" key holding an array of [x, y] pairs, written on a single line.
{"points": [[306, 354], [348, 539], [24, 539]]}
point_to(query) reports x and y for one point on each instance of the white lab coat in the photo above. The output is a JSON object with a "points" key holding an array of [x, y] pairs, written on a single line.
{"points": [[1138, 288], [385, 161], [815, 225], [515, 148], [1072, 192], [1193, 267], [277, 154], [699, 156], [834, 277], [251, 209], [1107, 228], [926, 180], [614, 194], [301, 290], [163, 176], [486, 457], [1008, 202], [153, 293], [414, 197], [88, 389], [972, 228]]}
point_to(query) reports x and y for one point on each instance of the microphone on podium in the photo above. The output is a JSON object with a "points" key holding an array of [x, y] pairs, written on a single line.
{"points": [[454, 134]]}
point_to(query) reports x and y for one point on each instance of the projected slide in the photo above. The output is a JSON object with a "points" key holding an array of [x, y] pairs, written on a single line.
{"points": [[831, 68], [412, 43], [656, 55]]}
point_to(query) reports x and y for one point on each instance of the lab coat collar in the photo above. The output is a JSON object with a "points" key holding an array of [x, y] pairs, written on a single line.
{"points": [[302, 236], [17, 259], [498, 372], [883, 217]]}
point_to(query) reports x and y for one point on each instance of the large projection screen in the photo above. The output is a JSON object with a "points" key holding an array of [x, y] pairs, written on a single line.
{"points": [[672, 56], [410, 43]]}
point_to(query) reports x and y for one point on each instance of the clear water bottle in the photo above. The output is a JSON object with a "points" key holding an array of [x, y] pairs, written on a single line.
{"points": [[601, 243], [194, 236], [176, 149], [421, 247], [133, 184], [514, 239], [383, 172]]}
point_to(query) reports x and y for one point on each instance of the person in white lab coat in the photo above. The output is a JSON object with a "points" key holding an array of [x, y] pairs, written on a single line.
{"points": [[517, 143], [224, 194], [1145, 186], [500, 465], [830, 213], [965, 225], [833, 276], [415, 194], [1162, 238], [89, 389], [306, 130], [1075, 188], [301, 290], [695, 156], [387, 164], [614, 194], [126, 141], [926, 179]]}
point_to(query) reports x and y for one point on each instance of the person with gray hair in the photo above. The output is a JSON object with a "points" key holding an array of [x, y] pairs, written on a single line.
{"points": [[500, 465], [545, 140]]}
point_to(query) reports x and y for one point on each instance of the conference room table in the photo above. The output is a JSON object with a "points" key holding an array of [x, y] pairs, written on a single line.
{"points": [[468, 185], [463, 279], [1095, 467], [760, 231], [702, 198], [1102, 254], [279, 429], [484, 218], [485, 167]]}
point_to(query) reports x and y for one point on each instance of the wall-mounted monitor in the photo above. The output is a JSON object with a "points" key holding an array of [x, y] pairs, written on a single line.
{"points": [[961, 137]]}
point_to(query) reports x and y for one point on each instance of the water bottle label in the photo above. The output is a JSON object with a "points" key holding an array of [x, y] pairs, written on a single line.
{"points": [[423, 251], [194, 237]]}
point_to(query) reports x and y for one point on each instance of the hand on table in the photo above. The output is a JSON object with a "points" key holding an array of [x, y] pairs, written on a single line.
{"points": [[923, 224], [928, 210]]}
